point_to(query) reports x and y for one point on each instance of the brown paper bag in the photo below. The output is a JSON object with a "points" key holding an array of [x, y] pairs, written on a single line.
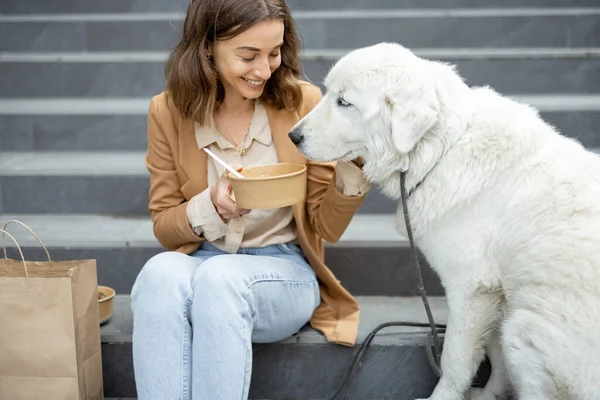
{"points": [[49, 329]]}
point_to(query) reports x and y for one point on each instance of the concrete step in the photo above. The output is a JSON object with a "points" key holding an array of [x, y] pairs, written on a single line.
{"points": [[125, 74], [304, 366], [371, 258], [113, 124], [324, 29], [113, 183], [142, 6], [101, 183], [98, 132]]}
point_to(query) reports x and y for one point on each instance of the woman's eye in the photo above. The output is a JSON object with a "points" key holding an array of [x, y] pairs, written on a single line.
{"points": [[342, 103], [244, 59]]}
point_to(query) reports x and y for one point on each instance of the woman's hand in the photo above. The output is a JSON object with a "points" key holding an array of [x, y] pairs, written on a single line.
{"points": [[223, 199], [359, 162]]}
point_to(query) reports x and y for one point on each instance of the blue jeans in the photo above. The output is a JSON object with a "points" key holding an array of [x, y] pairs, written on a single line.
{"points": [[195, 317]]}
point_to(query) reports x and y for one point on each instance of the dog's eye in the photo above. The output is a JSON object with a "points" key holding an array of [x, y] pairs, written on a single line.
{"points": [[342, 103]]}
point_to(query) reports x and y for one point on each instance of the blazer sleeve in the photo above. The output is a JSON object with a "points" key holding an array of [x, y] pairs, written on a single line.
{"points": [[168, 207], [329, 211]]}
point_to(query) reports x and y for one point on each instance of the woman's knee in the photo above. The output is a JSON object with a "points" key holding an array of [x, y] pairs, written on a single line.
{"points": [[164, 274], [219, 276]]}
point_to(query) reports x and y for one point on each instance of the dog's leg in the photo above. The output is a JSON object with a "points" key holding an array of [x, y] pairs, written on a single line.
{"points": [[472, 317], [526, 359], [498, 385]]}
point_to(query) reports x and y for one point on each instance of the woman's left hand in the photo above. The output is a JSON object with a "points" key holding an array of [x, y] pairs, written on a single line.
{"points": [[359, 162]]}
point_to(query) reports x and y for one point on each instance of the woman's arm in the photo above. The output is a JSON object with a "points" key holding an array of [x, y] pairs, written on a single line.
{"points": [[168, 207], [176, 221]]}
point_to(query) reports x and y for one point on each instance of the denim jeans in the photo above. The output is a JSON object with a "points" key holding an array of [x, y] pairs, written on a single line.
{"points": [[195, 317]]}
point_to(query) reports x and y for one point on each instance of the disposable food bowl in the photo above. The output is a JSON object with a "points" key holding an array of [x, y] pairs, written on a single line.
{"points": [[270, 186]]}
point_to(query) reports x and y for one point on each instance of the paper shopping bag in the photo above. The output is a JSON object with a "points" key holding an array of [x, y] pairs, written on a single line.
{"points": [[49, 329]]}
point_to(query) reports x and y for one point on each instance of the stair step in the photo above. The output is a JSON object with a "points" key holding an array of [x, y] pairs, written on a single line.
{"points": [[80, 231], [375, 310], [126, 133], [323, 13], [93, 133], [447, 54], [536, 71], [114, 183], [395, 365], [142, 6], [323, 29], [121, 246], [111, 124], [136, 106]]}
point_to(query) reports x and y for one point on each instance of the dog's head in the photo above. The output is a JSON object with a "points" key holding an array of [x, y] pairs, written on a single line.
{"points": [[379, 102]]}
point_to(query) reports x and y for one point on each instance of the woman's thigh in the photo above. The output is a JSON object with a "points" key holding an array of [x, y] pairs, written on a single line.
{"points": [[277, 287]]}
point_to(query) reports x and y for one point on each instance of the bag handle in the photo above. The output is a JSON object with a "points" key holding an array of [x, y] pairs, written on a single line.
{"points": [[18, 247], [4, 232]]}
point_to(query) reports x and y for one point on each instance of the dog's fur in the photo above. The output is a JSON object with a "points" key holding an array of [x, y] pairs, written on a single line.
{"points": [[506, 211]]}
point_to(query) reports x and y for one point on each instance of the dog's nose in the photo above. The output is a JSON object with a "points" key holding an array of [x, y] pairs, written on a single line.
{"points": [[296, 136]]}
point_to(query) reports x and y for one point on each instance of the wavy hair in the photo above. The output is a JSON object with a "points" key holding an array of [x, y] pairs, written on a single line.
{"points": [[192, 81]]}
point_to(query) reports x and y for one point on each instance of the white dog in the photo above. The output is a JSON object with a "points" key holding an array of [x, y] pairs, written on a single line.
{"points": [[505, 209]]}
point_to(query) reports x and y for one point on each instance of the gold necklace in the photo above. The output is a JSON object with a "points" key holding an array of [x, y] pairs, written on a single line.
{"points": [[230, 139]]}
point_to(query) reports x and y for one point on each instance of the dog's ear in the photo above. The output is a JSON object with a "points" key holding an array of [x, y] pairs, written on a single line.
{"points": [[410, 122]]}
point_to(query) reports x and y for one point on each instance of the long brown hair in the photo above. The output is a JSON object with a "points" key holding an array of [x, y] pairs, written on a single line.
{"points": [[192, 81]]}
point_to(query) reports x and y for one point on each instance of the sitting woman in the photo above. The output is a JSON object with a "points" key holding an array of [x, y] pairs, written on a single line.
{"points": [[235, 276]]}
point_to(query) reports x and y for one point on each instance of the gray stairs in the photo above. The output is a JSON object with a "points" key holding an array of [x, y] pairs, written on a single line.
{"points": [[338, 29], [523, 71], [156, 6], [370, 258], [305, 366], [119, 124], [76, 77]]}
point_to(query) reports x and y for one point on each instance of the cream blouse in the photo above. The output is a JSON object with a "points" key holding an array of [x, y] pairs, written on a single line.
{"points": [[259, 228]]}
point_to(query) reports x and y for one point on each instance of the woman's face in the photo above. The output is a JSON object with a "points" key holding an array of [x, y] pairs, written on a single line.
{"points": [[245, 62]]}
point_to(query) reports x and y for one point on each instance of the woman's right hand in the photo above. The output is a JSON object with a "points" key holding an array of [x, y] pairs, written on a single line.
{"points": [[221, 195]]}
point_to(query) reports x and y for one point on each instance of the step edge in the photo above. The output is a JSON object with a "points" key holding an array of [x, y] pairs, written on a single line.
{"points": [[59, 163], [137, 232], [458, 53], [554, 102], [370, 305], [319, 14]]}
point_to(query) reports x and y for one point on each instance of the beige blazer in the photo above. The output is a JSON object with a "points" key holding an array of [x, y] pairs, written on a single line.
{"points": [[178, 172]]}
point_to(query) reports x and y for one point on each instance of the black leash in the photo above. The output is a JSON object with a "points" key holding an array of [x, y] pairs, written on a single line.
{"points": [[434, 359], [433, 339]]}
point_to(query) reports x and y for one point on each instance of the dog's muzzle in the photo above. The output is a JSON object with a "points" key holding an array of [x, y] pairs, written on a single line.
{"points": [[296, 136]]}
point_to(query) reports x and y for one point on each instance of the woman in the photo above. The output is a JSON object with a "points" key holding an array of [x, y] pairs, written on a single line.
{"points": [[234, 276]]}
